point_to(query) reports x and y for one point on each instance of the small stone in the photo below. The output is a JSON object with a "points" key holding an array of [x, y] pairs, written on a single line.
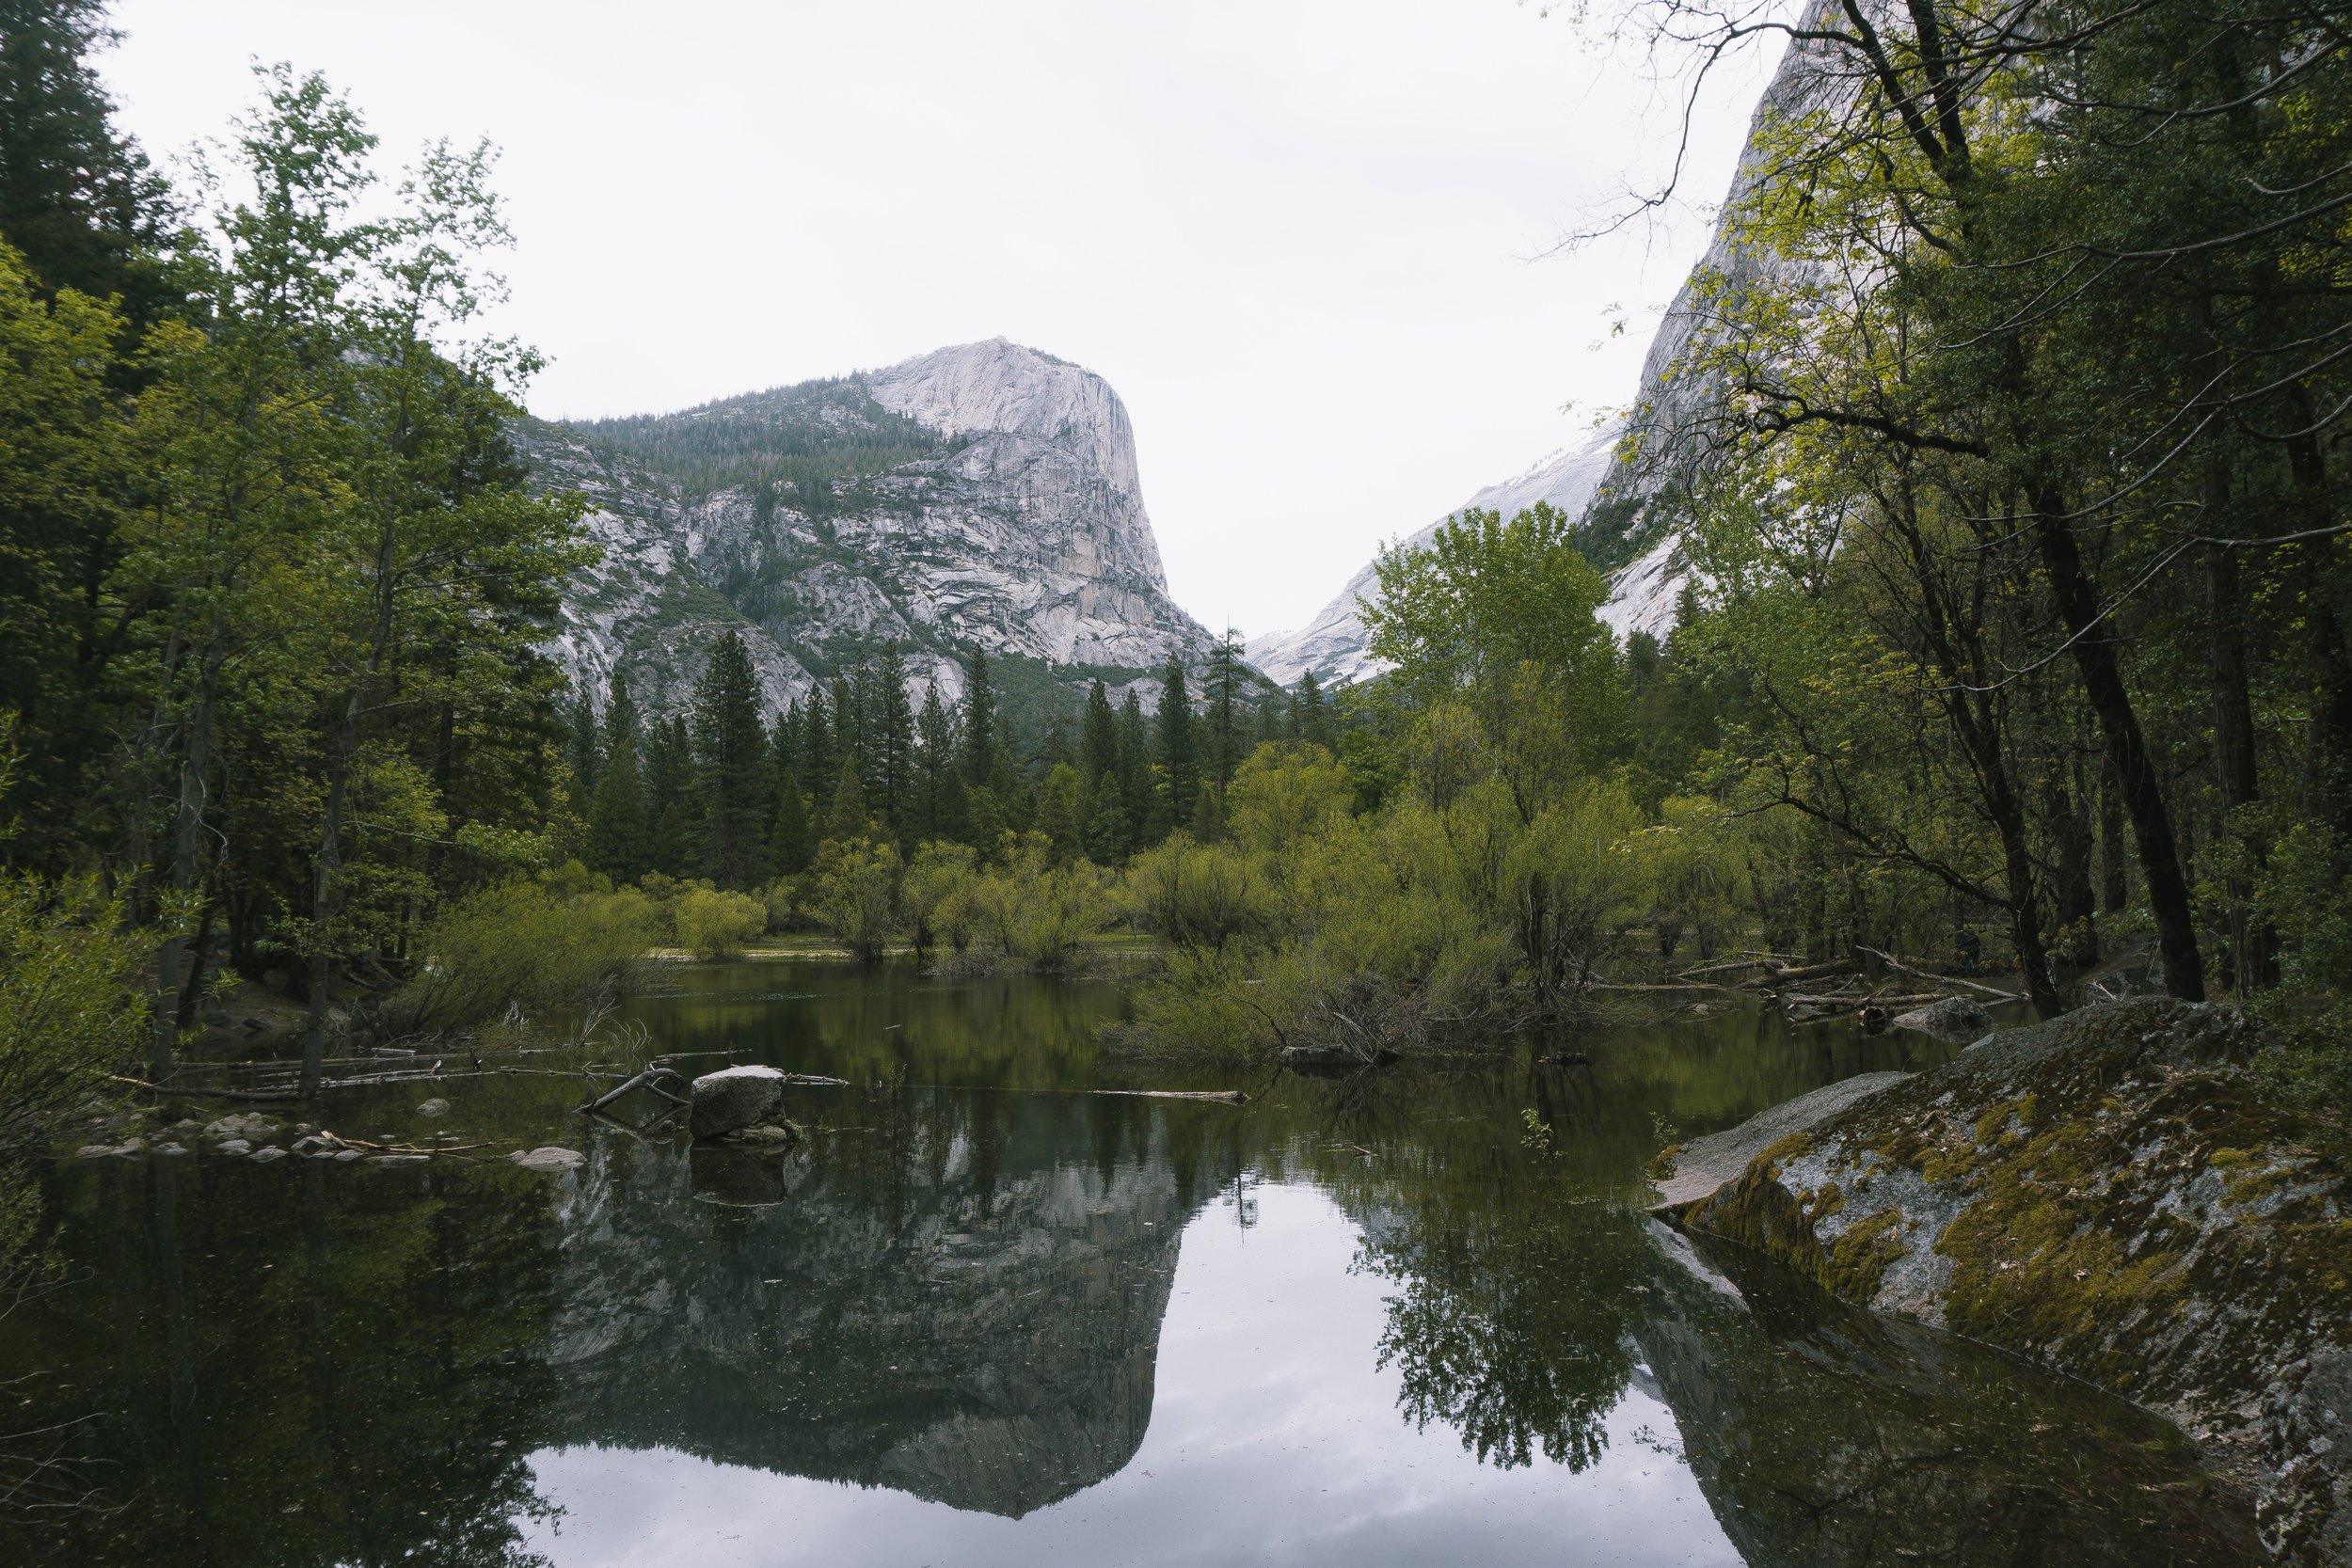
{"points": [[263, 1156], [382, 1161], [436, 1106], [171, 1149], [550, 1157], [236, 1145], [93, 1152], [766, 1132], [348, 1155]]}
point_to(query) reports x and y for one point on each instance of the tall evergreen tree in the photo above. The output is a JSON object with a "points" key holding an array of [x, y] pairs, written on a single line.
{"points": [[979, 720], [894, 741], [1178, 756], [1134, 769], [1107, 834], [939, 810], [1098, 734], [1310, 714], [783, 741], [583, 748], [848, 819], [77, 198], [1225, 738], [618, 824], [820, 757], [622, 722], [731, 767], [788, 846]]}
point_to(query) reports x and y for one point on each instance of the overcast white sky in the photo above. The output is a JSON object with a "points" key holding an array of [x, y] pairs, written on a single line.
{"points": [[1300, 237]]}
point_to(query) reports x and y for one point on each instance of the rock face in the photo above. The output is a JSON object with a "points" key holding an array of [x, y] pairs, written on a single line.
{"points": [[1619, 486], [985, 493], [2111, 1195], [734, 1099]]}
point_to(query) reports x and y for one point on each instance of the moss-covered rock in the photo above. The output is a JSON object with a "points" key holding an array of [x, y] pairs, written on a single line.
{"points": [[2113, 1196]]}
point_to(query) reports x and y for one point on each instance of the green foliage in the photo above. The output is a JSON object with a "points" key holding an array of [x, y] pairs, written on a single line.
{"points": [[715, 925], [854, 894], [68, 1014], [1029, 914], [528, 944]]}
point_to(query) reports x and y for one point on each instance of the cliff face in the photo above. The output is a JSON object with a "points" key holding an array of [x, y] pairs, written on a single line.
{"points": [[1621, 487], [986, 493]]}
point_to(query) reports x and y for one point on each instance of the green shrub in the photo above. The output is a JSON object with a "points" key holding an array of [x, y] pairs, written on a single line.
{"points": [[67, 1013], [714, 924], [528, 944], [854, 894]]}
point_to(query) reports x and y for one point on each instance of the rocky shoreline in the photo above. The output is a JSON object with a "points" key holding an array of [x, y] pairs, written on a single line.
{"points": [[2111, 1194]]}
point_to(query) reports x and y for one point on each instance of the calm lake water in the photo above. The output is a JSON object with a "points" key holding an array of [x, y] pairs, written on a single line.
{"points": [[984, 1316]]}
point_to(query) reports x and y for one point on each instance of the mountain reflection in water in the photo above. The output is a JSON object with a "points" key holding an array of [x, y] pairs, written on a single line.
{"points": [[982, 1317]]}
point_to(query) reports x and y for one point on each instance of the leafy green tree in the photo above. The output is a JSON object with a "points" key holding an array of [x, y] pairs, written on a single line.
{"points": [[731, 767], [856, 892]]}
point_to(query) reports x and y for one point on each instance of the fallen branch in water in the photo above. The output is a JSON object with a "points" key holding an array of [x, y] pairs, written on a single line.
{"points": [[1223, 1097], [1893, 962], [649, 1079], [266, 1097]]}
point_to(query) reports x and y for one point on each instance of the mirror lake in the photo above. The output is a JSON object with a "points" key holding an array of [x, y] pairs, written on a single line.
{"points": [[987, 1312]]}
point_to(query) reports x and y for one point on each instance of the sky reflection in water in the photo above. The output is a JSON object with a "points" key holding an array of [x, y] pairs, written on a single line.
{"points": [[985, 1318]]}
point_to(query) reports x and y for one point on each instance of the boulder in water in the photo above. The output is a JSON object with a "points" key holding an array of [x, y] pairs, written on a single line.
{"points": [[735, 1098], [1954, 1019], [550, 1157]]}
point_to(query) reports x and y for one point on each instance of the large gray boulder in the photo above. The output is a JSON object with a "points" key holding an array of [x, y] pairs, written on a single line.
{"points": [[735, 1098]]}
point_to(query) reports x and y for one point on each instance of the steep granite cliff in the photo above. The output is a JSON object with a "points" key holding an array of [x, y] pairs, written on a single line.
{"points": [[985, 493]]}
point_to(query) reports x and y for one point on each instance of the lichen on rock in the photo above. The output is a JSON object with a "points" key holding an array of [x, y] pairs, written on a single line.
{"points": [[2112, 1194]]}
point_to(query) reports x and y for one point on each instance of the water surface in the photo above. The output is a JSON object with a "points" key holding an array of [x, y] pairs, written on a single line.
{"points": [[986, 1315]]}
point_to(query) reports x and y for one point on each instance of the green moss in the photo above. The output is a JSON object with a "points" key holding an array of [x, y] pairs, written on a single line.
{"points": [[1856, 1262]]}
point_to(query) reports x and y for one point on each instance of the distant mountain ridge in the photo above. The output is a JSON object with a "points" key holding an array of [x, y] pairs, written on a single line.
{"points": [[985, 492], [1622, 487]]}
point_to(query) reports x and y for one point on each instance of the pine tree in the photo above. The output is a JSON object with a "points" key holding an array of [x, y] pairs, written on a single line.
{"points": [[819, 761], [77, 198], [621, 720], [667, 845], [940, 807], [731, 767], [1134, 769], [788, 836], [584, 746], [1172, 740], [1225, 736], [979, 722], [1310, 714], [617, 825], [847, 819], [1098, 734], [894, 737], [783, 741], [668, 771], [1107, 833]]}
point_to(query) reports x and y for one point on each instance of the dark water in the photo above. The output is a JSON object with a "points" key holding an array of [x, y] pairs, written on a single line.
{"points": [[984, 1318]]}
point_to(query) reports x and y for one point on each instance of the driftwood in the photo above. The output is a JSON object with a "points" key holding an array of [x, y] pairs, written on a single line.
{"points": [[1811, 972], [1725, 968], [261, 1097], [650, 1079], [1893, 962], [1223, 1097]]}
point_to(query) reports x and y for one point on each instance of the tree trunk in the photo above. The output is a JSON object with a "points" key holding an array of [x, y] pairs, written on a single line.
{"points": [[187, 846], [2134, 767], [2114, 859], [2253, 943]]}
